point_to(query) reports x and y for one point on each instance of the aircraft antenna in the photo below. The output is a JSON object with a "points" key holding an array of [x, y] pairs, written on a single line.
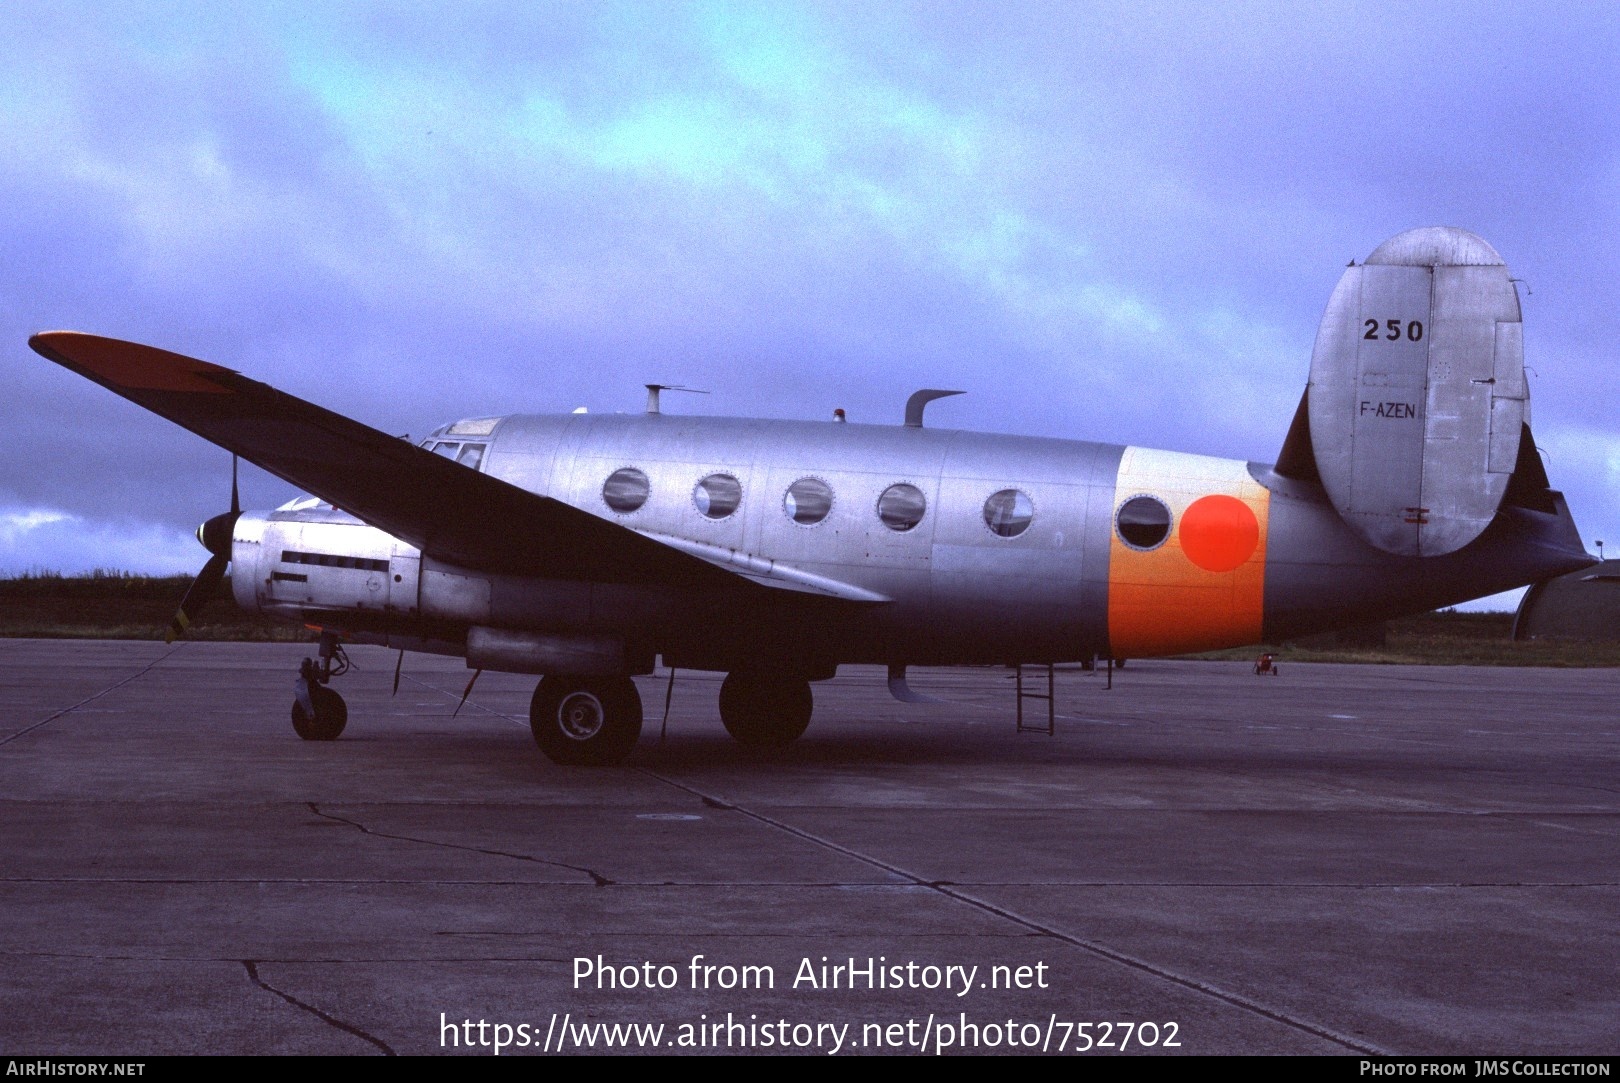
{"points": [[654, 389]]}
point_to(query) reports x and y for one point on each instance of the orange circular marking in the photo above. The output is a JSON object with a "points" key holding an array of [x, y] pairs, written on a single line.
{"points": [[1218, 533]]}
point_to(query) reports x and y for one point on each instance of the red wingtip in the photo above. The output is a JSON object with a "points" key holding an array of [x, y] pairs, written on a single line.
{"points": [[127, 364]]}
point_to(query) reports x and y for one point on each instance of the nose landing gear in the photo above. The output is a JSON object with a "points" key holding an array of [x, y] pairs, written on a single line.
{"points": [[318, 713]]}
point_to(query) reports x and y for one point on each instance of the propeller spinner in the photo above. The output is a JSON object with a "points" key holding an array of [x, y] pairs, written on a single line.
{"points": [[215, 536]]}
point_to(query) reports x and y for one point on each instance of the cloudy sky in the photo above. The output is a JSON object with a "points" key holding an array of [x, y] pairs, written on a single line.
{"points": [[1106, 221]]}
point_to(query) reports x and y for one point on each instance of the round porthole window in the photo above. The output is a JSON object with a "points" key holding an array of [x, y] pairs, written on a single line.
{"points": [[1143, 522], [901, 507], [808, 501], [1008, 513], [625, 490], [717, 496]]}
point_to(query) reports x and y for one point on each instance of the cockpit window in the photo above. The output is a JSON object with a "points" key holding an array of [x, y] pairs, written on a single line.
{"points": [[470, 454], [473, 426]]}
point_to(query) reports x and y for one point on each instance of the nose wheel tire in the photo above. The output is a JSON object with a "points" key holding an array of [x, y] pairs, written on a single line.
{"points": [[765, 710], [590, 721], [331, 715]]}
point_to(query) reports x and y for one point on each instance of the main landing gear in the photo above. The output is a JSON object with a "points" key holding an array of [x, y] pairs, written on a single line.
{"points": [[591, 721], [764, 708], [596, 721], [318, 713]]}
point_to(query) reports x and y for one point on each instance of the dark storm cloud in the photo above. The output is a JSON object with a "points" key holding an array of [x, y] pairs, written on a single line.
{"points": [[1108, 221]]}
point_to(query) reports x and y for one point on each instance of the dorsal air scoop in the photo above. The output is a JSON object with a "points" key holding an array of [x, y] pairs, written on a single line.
{"points": [[1417, 396], [919, 401]]}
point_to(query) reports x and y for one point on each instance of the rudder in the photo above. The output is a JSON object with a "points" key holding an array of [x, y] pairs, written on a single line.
{"points": [[1417, 395]]}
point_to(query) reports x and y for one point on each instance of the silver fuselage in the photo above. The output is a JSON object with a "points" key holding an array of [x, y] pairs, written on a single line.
{"points": [[950, 590]]}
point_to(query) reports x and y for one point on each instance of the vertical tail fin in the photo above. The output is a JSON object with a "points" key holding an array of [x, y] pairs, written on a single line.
{"points": [[1417, 398]]}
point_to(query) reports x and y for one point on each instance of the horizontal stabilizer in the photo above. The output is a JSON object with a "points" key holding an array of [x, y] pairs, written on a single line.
{"points": [[1417, 397]]}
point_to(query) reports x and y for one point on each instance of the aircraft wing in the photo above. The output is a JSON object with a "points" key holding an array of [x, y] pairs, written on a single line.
{"points": [[450, 512]]}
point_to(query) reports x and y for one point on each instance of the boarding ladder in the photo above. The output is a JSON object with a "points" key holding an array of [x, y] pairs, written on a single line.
{"points": [[1048, 696], [1051, 700]]}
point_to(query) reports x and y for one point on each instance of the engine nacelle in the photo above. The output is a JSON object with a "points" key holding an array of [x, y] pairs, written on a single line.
{"points": [[310, 556]]}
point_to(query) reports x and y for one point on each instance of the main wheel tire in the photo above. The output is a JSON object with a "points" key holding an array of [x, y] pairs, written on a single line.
{"points": [[592, 721], [331, 715], [765, 710]]}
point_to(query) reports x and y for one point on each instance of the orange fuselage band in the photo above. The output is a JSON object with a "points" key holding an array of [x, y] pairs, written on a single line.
{"points": [[1203, 587]]}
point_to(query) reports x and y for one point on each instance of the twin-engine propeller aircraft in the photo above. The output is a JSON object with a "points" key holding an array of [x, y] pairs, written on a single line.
{"points": [[584, 547]]}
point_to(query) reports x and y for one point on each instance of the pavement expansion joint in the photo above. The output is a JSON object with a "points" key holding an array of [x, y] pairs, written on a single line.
{"points": [[596, 877], [454, 695], [143, 671], [1093, 947], [252, 968]]}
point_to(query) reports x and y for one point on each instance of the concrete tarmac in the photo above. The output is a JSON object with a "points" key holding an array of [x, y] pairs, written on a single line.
{"points": [[1338, 860]]}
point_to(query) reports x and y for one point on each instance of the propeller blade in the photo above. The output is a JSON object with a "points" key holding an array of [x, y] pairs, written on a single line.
{"points": [[215, 536], [202, 589]]}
